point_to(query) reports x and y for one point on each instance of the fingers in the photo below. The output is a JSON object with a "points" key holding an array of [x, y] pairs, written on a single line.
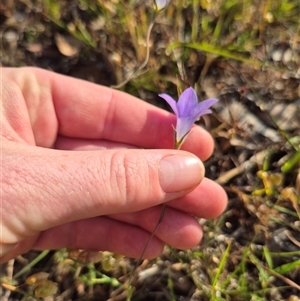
{"points": [[198, 138], [199, 142], [176, 229], [100, 233], [79, 109], [109, 114], [208, 200], [17, 248], [51, 187], [125, 234], [66, 143]]}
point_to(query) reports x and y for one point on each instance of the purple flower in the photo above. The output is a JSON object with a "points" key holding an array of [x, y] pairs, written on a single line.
{"points": [[187, 110]]}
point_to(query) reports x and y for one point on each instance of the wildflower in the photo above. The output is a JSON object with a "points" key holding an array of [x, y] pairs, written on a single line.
{"points": [[160, 4], [187, 110]]}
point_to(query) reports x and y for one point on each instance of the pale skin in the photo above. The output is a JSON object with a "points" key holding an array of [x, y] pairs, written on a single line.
{"points": [[81, 167]]}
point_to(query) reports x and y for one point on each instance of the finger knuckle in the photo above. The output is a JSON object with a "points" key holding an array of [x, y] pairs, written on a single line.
{"points": [[135, 178]]}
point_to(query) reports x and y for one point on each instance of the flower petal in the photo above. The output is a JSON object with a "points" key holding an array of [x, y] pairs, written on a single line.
{"points": [[171, 102], [187, 102], [183, 126], [187, 110], [203, 108]]}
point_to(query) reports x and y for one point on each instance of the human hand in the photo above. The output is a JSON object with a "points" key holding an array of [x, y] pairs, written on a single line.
{"points": [[85, 166]]}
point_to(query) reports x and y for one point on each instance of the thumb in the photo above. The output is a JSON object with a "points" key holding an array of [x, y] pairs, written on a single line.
{"points": [[46, 188]]}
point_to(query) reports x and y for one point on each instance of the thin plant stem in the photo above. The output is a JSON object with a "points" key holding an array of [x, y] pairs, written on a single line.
{"points": [[162, 214], [160, 219], [32, 263], [145, 62]]}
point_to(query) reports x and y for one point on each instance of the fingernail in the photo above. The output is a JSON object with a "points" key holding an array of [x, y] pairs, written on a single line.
{"points": [[178, 173]]}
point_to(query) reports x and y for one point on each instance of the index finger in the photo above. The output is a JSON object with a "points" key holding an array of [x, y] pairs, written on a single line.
{"points": [[88, 111]]}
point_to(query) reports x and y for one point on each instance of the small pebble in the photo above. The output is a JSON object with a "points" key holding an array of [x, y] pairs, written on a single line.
{"points": [[220, 238], [11, 36], [279, 86], [228, 225], [287, 56], [277, 55]]}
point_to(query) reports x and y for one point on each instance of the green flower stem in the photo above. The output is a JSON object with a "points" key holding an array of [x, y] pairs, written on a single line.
{"points": [[32, 263], [177, 145]]}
